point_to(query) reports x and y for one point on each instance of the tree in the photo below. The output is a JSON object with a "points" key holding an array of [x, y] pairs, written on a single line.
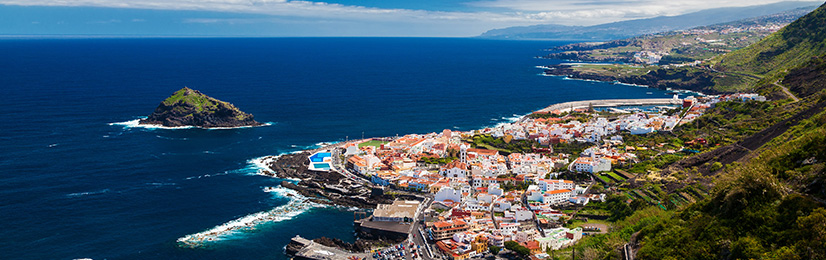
{"points": [[522, 251], [516, 247], [494, 250], [716, 166], [596, 188], [510, 245]]}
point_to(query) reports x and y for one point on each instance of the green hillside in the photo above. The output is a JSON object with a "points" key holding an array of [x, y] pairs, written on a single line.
{"points": [[782, 51], [768, 190], [770, 207]]}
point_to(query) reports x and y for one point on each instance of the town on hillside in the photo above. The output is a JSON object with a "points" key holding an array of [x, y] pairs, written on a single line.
{"points": [[526, 189]]}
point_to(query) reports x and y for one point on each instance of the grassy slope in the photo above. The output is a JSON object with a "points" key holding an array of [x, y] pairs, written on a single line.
{"points": [[193, 98], [769, 207], [768, 204], [202, 103], [766, 208], [791, 47]]}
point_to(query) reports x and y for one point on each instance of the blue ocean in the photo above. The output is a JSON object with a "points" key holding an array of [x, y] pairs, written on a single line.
{"points": [[74, 185]]}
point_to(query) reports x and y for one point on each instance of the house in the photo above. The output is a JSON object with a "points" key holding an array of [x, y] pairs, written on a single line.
{"points": [[558, 238], [557, 196], [445, 229], [383, 178], [501, 205], [533, 246], [448, 193], [592, 165], [508, 229], [580, 200], [482, 181], [494, 189], [454, 169], [454, 250], [546, 185], [525, 236]]}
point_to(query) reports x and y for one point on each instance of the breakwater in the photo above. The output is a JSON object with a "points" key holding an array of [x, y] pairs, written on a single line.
{"points": [[568, 106]]}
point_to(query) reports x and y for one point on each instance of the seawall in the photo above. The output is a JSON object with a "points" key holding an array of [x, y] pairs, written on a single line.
{"points": [[568, 106]]}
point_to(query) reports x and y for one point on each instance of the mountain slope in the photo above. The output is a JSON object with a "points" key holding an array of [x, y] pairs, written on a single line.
{"points": [[769, 188], [625, 29], [769, 207], [791, 47]]}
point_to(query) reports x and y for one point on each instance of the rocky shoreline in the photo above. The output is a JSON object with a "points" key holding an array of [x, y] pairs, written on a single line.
{"points": [[697, 81], [329, 188]]}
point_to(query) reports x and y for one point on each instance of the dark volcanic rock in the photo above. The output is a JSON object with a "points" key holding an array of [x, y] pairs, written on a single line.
{"points": [[359, 246], [323, 187], [188, 107], [694, 80]]}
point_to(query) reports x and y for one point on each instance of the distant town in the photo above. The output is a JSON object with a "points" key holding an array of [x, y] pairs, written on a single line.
{"points": [[502, 190]]}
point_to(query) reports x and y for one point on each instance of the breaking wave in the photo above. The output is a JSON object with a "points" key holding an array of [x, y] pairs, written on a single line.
{"points": [[250, 223]]}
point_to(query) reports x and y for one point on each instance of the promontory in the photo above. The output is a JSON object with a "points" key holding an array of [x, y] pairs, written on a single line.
{"points": [[188, 107]]}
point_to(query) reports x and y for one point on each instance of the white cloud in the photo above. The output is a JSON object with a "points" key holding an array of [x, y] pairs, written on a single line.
{"points": [[306, 9], [645, 6], [511, 12]]}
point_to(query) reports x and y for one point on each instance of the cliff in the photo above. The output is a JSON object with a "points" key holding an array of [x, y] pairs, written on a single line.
{"points": [[188, 107]]}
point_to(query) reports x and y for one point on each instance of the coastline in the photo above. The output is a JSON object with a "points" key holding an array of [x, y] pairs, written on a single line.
{"points": [[340, 188], [135, 123], [659, 79]]}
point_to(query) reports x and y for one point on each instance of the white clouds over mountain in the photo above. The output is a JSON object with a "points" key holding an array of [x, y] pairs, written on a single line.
{"points": [[474, 16]]}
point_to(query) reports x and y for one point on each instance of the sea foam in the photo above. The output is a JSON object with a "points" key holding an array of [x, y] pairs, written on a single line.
{"points": [[80, 194], [135, 123], [250, 223]]}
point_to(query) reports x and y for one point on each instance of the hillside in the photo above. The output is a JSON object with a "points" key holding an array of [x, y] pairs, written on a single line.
{"points": [[765, 171], [676, 47], [631, 28], [775, 55], [188, 107], [769, 205], [714, 59]]}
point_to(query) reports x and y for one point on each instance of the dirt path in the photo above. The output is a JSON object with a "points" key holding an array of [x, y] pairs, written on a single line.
{"points": [[786, 90]]}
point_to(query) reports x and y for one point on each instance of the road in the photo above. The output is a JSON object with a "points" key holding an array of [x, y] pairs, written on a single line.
{"points": [[417, 233], [628, 252], [786, 90]]}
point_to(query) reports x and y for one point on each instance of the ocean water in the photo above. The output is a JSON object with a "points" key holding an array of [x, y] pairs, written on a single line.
{"points": [[72, 185]]}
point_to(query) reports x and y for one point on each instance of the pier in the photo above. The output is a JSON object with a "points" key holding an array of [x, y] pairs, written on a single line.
{"points": [[568, 106], [308, 250]]}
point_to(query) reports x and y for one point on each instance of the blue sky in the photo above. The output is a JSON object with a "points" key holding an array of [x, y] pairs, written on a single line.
{"points": [[428, 18]]}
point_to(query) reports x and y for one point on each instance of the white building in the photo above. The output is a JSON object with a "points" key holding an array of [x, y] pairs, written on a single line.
{"points": [[501, 205], [448, 193], [454, 169], [592, 165], [558, 238], [520, 214], [557, 196], [546, 185], [494, 189]]}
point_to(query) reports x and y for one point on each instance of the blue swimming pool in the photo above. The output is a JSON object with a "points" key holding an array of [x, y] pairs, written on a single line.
{"points": [[319, 157], [321, 165]]}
